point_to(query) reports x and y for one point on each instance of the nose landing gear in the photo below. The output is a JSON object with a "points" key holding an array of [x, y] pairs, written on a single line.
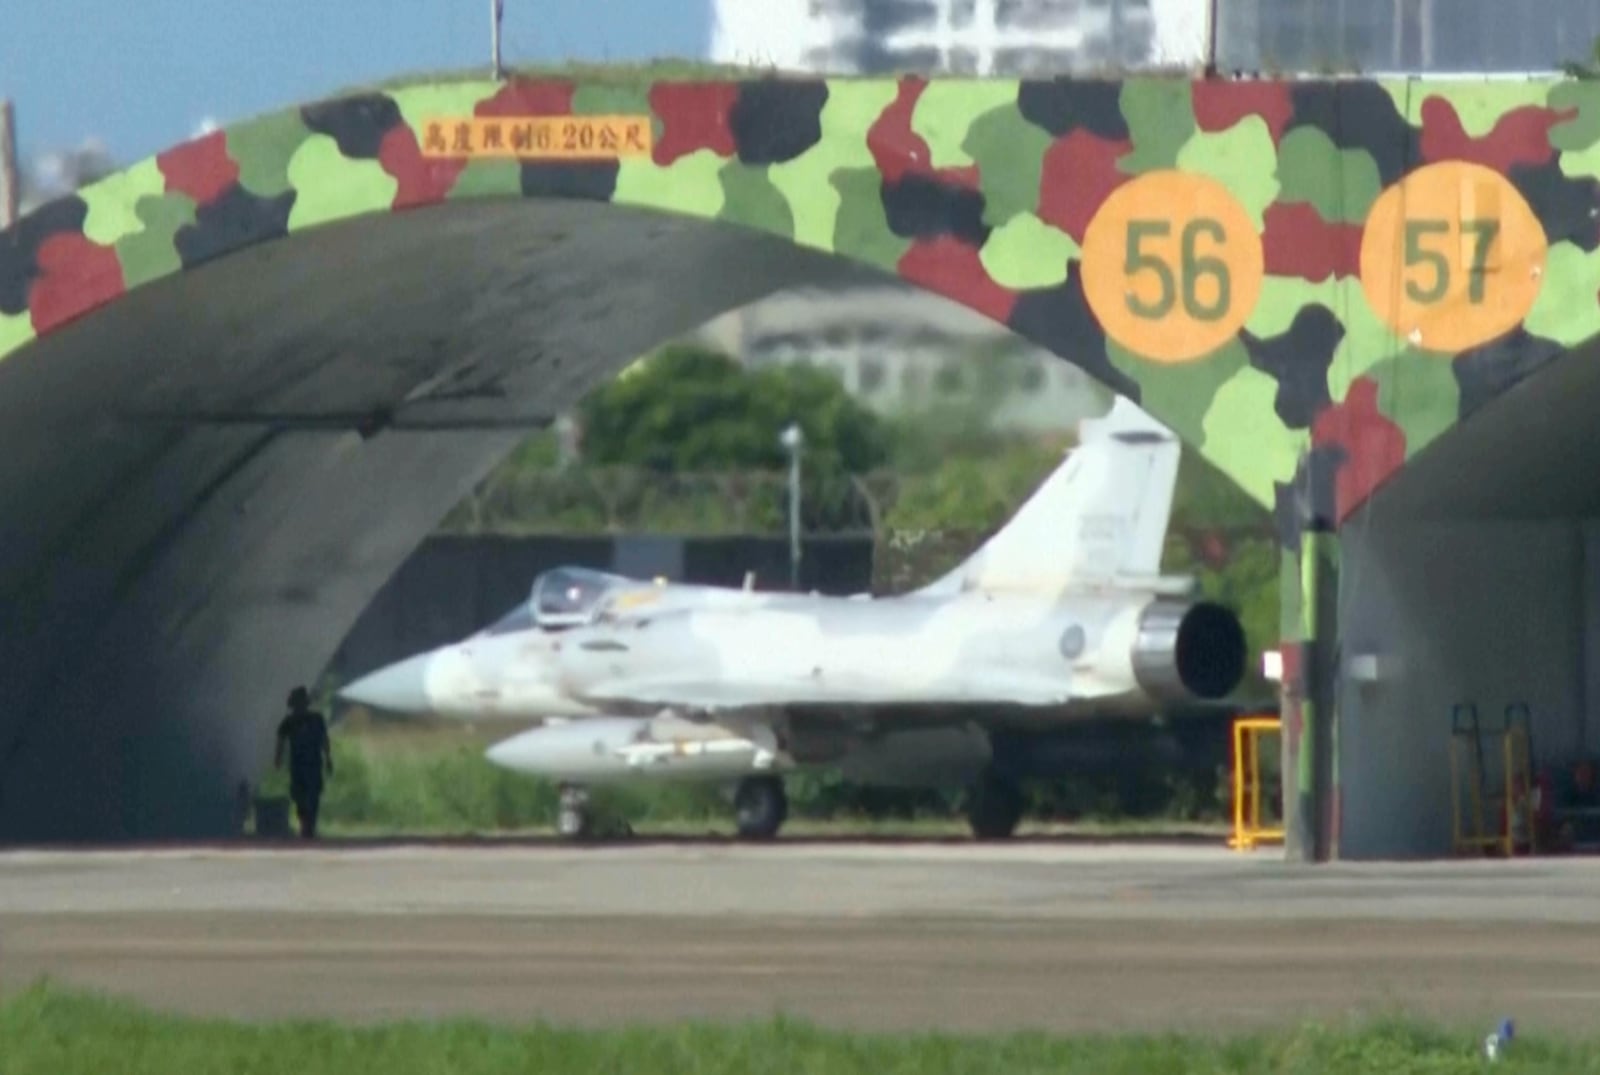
{"points": [[572, 813], [760, 807]]}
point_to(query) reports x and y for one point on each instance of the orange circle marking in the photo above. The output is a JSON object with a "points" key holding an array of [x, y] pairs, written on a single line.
{"points": [[1172, 266], [1452, 256]]}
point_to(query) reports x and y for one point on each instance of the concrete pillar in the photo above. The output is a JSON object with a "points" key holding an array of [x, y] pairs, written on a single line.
{"points": [[1309, 596]]}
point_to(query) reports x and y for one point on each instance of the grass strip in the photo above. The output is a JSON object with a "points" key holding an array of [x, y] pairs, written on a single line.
{"points": [[48, 1029]]}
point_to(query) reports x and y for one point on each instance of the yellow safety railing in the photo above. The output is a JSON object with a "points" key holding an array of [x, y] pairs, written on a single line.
{"points": [[1248, 829], [1491, 782]]}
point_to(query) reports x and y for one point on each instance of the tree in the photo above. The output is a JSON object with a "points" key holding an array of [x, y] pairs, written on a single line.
{"points": [[690, 409]]}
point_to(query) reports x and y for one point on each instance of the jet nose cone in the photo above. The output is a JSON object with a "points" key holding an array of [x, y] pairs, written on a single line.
{"points": [[401, 687]]}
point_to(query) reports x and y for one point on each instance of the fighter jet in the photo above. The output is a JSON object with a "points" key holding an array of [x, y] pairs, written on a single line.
{"points": [[1062, 619]]}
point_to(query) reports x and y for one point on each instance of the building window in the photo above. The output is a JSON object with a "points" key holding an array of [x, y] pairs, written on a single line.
{"points": [[872, 374]]}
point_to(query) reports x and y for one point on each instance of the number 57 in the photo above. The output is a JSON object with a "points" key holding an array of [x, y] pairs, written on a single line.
{"points": [[1482, 230]]}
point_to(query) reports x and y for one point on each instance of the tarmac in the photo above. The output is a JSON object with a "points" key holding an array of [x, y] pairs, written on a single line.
{"points": [[882, 936]]}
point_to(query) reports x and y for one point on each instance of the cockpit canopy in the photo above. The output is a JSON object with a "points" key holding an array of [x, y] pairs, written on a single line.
{"points": [[562, 597], [569, 596]]}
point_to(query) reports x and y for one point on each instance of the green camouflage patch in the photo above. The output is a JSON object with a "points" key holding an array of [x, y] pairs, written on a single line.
{"points": [[808, 183], [1182, 395], [863, 225], [112, 200], [152, 252], [1026, 253], [947, 114], [749, 198], [688, 185], [331, 186], [1267, 453], [15, 330], [1419, 393], [1242, 158], [1567, 310], [263, 148], [1160, 114], [1340, 184]]}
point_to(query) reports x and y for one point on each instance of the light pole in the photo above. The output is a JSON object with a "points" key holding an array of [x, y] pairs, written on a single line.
{"points": [[10, 185], [497, 10], [793, 440]]}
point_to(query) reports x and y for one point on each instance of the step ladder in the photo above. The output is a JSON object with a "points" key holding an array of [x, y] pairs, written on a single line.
{"points": [[1491, 781], [1250, 826]]}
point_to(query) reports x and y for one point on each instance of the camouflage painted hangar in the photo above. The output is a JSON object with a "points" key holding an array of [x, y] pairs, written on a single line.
{"points": [[241, 380]]}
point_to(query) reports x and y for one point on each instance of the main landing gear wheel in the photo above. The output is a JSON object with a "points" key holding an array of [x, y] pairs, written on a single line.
{"points": [[572, 813], [994, 807], [760, 807]]}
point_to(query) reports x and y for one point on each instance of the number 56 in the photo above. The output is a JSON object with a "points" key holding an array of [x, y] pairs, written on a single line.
{"points": [[1193, 266]]}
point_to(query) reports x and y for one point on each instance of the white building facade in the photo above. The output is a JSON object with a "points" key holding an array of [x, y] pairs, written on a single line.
{"points": [[962, 37]]}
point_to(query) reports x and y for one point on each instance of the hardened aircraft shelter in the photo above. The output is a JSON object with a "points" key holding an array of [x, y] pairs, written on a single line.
{"points": [[239, 381]]}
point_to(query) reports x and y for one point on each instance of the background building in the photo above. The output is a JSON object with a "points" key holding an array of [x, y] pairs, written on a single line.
{"points": [[1412, 36], [977, 37], [898, 349]]}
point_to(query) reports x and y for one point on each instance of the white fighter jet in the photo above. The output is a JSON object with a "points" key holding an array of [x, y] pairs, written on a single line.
{"points": [[1059, 623]]}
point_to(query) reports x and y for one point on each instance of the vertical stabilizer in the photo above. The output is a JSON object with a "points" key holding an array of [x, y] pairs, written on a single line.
{"points": [[1102, 513]]}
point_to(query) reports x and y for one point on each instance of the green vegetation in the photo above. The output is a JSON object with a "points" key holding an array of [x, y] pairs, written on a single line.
{"points": [[49, 1030], [398, 777]]}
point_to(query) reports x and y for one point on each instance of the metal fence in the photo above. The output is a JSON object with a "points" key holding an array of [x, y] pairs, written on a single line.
{"points": [[620, 500], [1435, 37]]}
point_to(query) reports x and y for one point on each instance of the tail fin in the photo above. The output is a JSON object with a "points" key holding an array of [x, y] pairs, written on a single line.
{"points": [[1100, 515]]}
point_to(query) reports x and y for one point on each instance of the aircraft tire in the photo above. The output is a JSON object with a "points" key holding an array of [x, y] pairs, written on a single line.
{"points": [[994, 807], [760, 807], [572, 814]]}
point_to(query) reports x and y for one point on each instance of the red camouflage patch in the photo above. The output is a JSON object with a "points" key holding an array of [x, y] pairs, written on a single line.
{"points": [[1522, 136], [200, 169], [953, 269], [75, 276], [898, 150], [529, 97], [1220, 105], [421, 181], [1298, 242], [1374, 446], [693, 117], [1080, 172]]}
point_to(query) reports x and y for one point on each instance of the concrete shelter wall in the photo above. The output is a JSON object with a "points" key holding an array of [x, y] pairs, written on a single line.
{"points": [[1457, 611], [1586, 729]]}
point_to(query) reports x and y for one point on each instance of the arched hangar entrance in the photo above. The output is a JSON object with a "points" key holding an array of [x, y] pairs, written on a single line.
{"points": [[239, 381]]}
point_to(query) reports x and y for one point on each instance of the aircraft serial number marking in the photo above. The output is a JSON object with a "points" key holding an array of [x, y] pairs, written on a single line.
{"points": [[537, 137]]}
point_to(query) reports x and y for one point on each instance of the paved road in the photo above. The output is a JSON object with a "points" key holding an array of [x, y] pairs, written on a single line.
{"points": [[883, 937]]}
